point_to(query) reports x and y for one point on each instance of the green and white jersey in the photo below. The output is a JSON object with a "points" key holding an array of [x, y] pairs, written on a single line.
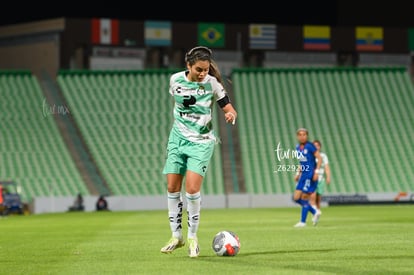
{"points": [[325, 161], [193, 106]]}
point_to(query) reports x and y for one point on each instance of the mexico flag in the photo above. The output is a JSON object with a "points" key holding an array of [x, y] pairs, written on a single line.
{"points": [[105, 31]]}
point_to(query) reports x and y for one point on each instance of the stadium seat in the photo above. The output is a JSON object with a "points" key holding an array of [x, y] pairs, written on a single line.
{"points": [[361, 115], [125, 118], [33, 152]]}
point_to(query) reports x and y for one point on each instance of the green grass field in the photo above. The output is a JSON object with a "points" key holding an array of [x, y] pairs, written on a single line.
{"points": [[348, 240]]}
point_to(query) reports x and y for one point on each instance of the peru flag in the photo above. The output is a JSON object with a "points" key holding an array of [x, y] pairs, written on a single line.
{"points": [[105, 31]]}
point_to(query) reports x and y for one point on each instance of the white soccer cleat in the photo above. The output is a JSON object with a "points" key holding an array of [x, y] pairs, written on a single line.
{"points": [[315, 218], [172, 245], [300, 224], [193, 249]]}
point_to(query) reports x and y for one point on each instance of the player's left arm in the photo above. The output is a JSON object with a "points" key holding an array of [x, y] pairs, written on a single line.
{"points": [[230, 113], [318, 164], [224, 102], [328, 173]]}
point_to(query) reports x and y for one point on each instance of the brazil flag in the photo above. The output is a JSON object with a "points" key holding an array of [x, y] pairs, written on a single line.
{"points": [[211, 34]]}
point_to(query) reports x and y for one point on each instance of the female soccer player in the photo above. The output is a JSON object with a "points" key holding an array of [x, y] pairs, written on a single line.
{"points": [[324, 177], [307, 177], [191, 141]]}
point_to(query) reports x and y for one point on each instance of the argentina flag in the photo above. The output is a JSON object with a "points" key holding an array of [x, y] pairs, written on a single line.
{"points": [[158, 33]]}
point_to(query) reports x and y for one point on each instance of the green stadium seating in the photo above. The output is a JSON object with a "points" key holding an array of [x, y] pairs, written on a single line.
{"points": [[33, 152], [363, 116], [125, 118]]}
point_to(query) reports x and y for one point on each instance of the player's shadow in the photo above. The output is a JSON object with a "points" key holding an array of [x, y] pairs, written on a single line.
{"points": [[271, 252], [274, 252]]}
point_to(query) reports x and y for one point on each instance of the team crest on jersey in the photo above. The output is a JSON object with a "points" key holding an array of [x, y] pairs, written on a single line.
{"points": [[201, 90]]}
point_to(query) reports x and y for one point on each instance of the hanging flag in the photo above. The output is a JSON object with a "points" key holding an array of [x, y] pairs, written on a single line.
{"points": [[369, 38], [157, 33], [105, 31], [411, 39], [211, 34], [262, 36], [317, 38]]}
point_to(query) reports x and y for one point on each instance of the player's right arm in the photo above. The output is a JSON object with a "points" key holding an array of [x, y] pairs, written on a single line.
{"points": [[327, 174], [298, 173]]}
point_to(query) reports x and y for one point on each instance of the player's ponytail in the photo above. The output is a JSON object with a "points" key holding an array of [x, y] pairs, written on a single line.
{"points": [[214, 71]]}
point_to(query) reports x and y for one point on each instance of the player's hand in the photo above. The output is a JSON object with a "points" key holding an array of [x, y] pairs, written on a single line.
{"points": [[296, 177], [230, 117]]}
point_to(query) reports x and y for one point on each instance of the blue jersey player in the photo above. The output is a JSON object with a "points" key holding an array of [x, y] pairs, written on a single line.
{"points": [[307, 176]]}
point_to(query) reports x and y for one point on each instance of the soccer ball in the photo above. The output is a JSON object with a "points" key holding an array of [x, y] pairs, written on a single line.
{"points": [[226, 243]]}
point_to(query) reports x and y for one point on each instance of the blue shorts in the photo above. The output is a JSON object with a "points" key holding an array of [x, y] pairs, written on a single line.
{"points": [[306, 184]]}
